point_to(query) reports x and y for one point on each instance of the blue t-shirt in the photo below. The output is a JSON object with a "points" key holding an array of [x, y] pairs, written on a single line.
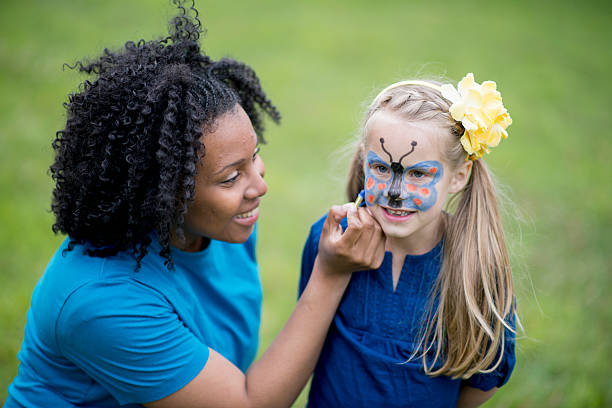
{"points": [[100, 334], [376, 330]]}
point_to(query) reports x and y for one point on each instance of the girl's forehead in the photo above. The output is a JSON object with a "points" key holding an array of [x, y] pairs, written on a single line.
{"points": [[390, 134]]}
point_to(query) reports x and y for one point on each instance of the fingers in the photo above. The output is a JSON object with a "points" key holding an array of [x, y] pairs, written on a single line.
{"points": [[374, 236], [331, 227], [354, 222], [372, 240], [354, 227], [365, 238], [361, 246], [340, 211]]}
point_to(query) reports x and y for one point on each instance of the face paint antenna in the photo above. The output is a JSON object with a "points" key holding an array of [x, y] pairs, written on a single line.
{"points": [[382, 144], [413, 144]]}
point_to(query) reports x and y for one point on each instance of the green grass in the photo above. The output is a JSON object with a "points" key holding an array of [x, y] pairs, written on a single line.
{"points": [[319, 63]]}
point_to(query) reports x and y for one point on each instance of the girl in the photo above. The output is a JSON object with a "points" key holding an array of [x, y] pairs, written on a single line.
{"points": [[433, 326], [154, 297]]}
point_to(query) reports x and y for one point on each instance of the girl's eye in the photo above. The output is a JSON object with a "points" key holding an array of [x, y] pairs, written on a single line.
{"points": [[380, 168], [256, 152], [417, 174]]}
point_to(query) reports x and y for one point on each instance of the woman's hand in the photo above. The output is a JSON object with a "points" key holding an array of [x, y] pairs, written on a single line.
{"points": [[361, 246]]}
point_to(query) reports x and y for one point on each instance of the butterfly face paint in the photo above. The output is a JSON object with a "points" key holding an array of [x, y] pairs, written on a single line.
{"points": [[391, 185]]}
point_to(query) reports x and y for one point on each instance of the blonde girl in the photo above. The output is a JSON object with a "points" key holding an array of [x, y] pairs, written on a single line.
{"points": [[433, 326]]}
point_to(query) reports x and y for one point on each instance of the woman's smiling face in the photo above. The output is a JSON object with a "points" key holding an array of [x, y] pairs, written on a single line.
{"points": [[229, 184], [406, 179]]}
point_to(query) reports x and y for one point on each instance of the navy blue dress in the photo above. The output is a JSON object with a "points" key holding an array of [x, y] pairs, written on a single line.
{"points": [[374, 332]]}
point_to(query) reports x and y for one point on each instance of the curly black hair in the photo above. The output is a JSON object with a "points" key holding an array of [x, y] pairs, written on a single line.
{"points": [[126, 161]]}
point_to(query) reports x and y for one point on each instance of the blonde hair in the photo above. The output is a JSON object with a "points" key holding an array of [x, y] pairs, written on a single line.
{"points": [[464, 327]]}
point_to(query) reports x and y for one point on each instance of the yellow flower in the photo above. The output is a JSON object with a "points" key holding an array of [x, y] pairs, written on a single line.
{"points": [[480, 110]]}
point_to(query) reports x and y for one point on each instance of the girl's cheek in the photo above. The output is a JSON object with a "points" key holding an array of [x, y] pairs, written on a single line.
{"points": [[423, 198], [369, 183], [370, 191]]}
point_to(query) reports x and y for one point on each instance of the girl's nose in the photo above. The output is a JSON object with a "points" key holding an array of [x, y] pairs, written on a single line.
{"points": [[395, 190], [394, 194]]}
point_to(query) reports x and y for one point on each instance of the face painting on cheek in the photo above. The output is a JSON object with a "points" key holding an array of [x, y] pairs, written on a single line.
{"points": [[391, 185]]}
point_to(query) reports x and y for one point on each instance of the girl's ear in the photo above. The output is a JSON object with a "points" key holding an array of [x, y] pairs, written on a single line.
{"points": [[460, 177]]}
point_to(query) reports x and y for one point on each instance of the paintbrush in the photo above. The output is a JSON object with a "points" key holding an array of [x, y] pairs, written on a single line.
{"points": [[359, 199]]}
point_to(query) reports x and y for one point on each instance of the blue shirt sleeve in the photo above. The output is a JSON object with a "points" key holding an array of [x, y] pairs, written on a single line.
{"points": [[133, 343], [501, 375]]}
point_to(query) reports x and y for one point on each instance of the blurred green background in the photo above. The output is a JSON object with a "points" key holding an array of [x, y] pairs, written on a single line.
{"points": [[320, 62]]}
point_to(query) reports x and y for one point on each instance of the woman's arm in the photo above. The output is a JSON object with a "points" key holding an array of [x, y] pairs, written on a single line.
{"points": [[276, 379], [470, 397]]}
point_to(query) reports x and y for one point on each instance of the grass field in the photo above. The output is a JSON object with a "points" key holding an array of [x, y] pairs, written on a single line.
{"points": [[320, 62]]}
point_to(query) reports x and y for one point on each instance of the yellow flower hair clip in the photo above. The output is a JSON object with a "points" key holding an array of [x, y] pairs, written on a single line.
{"points": [[480, 110]]}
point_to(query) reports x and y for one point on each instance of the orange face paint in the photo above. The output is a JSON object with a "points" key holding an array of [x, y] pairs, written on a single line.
{"points": [[433, 170], [417, 201], [425, 191], [369, 183], [411, 187], [370, 198], [382, 186]]}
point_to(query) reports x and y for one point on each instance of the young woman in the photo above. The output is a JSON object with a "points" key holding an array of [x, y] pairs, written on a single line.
{"points": [[154, 297]]}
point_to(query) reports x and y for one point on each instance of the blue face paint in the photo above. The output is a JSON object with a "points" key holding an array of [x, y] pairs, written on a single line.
{"points": [[391, 185]]}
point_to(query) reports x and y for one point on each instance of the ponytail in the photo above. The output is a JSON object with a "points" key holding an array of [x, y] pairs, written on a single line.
{"points": [[474, 289]]}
